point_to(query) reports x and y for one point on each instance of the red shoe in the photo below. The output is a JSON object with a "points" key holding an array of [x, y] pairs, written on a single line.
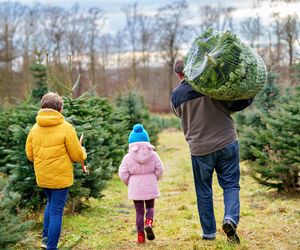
{"points": [[149, 229], [141, 237]]}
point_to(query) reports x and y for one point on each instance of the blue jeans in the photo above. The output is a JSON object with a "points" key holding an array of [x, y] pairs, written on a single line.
{"points": [[56, 200], [226, 163]]}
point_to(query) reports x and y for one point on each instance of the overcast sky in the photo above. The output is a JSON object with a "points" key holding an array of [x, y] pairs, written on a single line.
{"points": [[115, 18]]}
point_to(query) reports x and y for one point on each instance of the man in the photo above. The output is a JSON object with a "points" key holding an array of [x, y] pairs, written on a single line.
{"points": [[213, 142]]}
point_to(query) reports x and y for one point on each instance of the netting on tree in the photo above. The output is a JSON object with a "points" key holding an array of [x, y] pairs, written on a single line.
{"points": [[219, 65]]}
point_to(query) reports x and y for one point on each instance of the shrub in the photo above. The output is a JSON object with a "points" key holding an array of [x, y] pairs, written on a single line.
{"points": [[106, 128], [277, 163], [12, 225]]}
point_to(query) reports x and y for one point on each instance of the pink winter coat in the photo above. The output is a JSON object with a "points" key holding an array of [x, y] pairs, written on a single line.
{"points": [[140, 170]]}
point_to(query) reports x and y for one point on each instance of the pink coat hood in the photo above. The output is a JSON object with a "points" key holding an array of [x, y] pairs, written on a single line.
{"points": [[141, 152], [140, 170]]}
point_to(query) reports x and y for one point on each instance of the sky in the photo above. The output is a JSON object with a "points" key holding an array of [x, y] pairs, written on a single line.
{"points": [[115, 18]]}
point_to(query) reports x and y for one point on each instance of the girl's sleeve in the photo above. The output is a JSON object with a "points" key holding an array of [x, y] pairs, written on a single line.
{"points": [[28, 147], [159, 169], [124, 172]]}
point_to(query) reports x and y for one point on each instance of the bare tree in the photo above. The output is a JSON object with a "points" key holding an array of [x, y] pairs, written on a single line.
{"points": [[146, 38], [106, 41], [251, 28], [210, 17], [75, 32], [227, 14], [118, 45], [290, 29], [171, 34], [11, 16], [276, 27], [31, 38], [217, 17], [94, 24], [56, 18], [131, 29]]}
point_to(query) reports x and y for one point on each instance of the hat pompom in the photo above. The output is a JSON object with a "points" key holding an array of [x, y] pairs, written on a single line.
{"points": [[138, 134], [138, 128]]}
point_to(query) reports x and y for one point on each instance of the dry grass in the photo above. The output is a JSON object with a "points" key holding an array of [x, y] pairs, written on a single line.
{"points": [[268, 221]]}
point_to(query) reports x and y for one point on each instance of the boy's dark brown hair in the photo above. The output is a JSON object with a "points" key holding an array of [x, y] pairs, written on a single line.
{"points": [[178, 66], [52, 101]]}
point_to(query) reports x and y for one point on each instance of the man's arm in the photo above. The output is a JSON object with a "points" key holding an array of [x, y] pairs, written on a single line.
{"points": [[174, 110], [239, 105]]}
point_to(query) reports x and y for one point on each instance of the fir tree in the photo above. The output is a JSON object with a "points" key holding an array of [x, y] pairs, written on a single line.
{"points": [[132, 110], [39, 73], [266, 99], [21, 173], [250, 120], [92, 117], [13, 228], [105, 129], [277, 163]]}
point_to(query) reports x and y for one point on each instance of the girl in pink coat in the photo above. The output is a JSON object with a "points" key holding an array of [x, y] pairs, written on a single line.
{"points": [[140, 170]]}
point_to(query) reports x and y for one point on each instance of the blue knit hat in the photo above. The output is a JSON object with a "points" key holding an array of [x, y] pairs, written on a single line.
{"points": [[138, 134]]}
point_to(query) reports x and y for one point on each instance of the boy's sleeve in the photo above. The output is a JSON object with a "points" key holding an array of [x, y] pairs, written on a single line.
{"points": [[124, 172], [28, 147], [158, 167], [75, 150]]}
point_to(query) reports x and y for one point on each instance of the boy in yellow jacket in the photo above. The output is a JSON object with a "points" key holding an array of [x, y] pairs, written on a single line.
{"points": [[52, 144]]}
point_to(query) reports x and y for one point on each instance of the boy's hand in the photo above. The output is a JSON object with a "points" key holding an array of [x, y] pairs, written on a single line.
{"points": [[84, 169]]}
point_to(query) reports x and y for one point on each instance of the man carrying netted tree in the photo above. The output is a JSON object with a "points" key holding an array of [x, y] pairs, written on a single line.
{"points": [[213, 142]]}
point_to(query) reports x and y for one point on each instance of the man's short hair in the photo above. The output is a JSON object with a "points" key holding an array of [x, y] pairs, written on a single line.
{"points": [[178, 65], [52, 101]]}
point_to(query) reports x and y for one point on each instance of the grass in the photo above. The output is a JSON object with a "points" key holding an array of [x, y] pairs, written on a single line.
{"points": [[268, 220]]}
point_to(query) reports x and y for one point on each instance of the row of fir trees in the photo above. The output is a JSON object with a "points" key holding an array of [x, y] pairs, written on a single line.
{"points": [[105, 126], [269, 135]]}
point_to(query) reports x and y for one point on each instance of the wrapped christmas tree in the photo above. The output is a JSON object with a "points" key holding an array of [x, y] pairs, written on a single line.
{"points": [[218, 64]]}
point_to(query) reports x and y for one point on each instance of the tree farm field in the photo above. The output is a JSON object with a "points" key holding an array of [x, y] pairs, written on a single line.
{"points": [[268, 220]]}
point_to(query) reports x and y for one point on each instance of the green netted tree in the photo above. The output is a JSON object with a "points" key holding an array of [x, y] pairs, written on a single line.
{"points": [[277, 163]]}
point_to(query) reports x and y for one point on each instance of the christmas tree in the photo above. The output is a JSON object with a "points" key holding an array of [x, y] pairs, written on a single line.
{"points": [[12, 227], [250, 121], [277, 163], [39, 73]]}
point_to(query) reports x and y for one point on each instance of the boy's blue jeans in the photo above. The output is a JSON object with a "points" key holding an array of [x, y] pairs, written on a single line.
{"points": [[226, 163], [56, 200]]}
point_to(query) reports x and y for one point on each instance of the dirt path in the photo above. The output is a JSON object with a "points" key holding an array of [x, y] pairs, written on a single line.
{"points": [[267, 220]]}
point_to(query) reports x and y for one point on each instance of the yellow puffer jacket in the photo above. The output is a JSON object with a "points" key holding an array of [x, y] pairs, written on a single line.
{"points": [[52, 144]]}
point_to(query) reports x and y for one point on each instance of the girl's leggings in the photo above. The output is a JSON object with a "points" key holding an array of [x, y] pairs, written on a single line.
{"points": [[140, 211]]}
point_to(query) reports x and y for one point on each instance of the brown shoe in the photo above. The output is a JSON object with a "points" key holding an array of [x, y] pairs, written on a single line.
{"points": [[230, 229]]}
